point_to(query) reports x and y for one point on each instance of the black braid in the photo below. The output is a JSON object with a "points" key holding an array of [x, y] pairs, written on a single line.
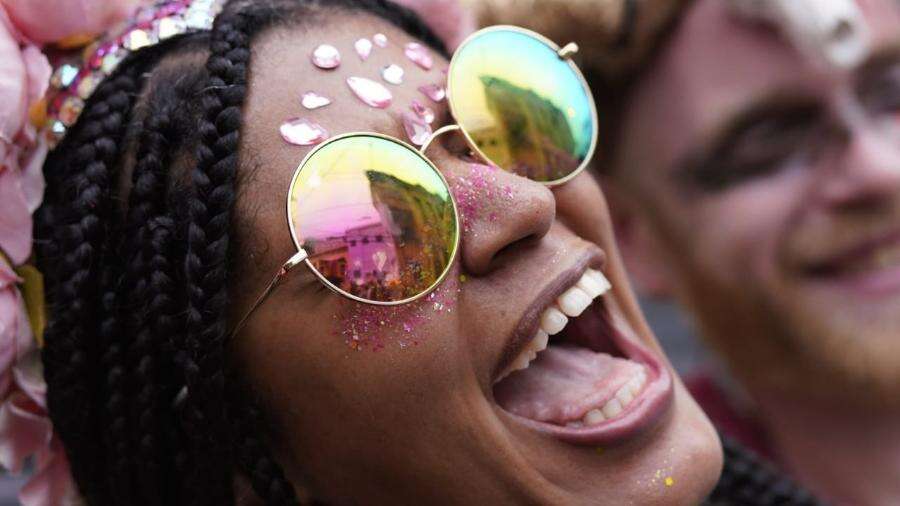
{"points": [[70, 366], [150, 278], [747, 480], [138, 285]]}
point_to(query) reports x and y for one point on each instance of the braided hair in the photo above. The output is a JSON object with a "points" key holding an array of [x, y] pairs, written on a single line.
{"points": [[135, 240]]}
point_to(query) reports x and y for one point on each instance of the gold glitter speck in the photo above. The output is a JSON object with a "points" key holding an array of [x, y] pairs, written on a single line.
{"points": [[669, 481]]}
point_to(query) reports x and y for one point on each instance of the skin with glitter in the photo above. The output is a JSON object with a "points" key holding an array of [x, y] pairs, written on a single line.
{"points": [[408, 423], [370, 327]]}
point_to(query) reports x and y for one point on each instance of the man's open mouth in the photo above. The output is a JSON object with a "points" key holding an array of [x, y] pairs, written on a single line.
{"points": [[579, 377]]}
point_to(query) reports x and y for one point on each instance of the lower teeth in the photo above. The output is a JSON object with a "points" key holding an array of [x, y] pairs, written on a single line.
{"points": [[615, 406]]}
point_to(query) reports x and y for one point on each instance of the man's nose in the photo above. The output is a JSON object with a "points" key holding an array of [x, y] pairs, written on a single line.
{"points": [[500, 211], [866, 173]]}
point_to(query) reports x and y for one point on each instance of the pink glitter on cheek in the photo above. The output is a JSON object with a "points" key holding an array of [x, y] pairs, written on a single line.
{"points": [[367, 326], [479, 195]]}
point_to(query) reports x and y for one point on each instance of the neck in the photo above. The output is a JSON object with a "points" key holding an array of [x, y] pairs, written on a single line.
{"points": [[843, 453]]}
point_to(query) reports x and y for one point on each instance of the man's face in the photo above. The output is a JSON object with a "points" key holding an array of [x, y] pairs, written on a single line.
{"points": [[765, 189]]}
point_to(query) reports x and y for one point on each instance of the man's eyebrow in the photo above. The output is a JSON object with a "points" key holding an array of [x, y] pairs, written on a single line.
{"points": [[883, 56], [721, 135]]}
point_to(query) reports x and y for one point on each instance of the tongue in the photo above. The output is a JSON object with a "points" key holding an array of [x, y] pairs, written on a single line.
{"points": [[564, 383]]}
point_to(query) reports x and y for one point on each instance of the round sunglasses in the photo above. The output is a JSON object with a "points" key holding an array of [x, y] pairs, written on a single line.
{"points": [[373, 217]]}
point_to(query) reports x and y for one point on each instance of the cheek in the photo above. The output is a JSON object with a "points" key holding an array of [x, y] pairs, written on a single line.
{"points": [[743, 231], [581, 206]]}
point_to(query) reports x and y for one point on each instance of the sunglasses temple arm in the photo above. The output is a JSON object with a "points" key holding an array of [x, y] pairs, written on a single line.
{"points": [[440, 131], [288, 266]]}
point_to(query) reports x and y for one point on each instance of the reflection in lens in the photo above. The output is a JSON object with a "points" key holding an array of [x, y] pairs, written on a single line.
{"points": [[375, 218], [522, 105]]}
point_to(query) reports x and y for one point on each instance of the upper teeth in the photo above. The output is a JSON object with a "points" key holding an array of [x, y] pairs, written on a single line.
{"points": [[884, 257], [571, 303]]}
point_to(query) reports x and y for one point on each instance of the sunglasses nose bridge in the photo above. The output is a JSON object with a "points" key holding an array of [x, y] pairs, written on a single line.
{"points": [[437, 133]]}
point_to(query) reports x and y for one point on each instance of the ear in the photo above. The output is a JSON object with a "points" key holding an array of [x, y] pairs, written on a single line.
{"points": [[642, 252]]}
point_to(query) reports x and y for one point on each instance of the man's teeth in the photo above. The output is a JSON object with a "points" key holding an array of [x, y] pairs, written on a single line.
{"points": [[571, 303], [884, 257], [613, 407], [888, 256]]}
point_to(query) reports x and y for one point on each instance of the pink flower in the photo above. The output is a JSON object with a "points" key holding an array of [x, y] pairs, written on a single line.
{"points": [[24, 76], [45, 21], [25, 427], [446, 17]]}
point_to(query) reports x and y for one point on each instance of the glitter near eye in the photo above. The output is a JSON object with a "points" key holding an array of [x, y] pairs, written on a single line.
{"points": [[302, 132], [417, 130], [418, 54], [370, 92], [422, 111], [435, 92]]}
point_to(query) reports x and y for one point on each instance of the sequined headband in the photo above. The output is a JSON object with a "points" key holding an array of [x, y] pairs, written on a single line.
{"points": [[75, 78]]}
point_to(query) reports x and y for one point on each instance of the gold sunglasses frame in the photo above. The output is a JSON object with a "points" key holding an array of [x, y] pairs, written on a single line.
{"points": [[565, 53], [302, 257]]}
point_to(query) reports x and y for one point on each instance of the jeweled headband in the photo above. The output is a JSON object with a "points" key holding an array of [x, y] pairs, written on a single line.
{"points": [[76, 77]]}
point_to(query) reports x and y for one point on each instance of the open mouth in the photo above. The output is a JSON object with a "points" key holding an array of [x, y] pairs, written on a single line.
{"points": [[579, 377]]}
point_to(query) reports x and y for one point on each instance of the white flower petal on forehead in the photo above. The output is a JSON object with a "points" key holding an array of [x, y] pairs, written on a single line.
{"points": [[435, 92], [393, 74], [363, 48], [418, 54], [380, 40], [312, 100], [422, 111], [834, 32], [302, 132], [326, 57], [416, 128], [370, 92]]}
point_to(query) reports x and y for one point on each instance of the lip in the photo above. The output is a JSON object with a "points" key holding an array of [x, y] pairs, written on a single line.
{"points": [[874, 283], [641, 413]]}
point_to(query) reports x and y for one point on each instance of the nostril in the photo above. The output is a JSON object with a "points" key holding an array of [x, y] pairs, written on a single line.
{"points": [[518, 227]]}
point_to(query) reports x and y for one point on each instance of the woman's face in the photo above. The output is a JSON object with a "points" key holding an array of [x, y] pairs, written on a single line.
{"points": [[400, 404]]}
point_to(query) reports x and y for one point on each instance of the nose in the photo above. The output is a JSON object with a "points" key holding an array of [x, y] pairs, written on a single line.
{"points": [[866, 174], [500, 212]]}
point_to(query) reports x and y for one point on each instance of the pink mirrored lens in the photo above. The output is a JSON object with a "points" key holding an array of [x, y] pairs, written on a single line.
{"points": [[375, 217]]}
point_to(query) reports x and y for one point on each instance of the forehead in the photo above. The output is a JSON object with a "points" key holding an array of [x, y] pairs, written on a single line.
{"points": [[281, 71], [714, 65]]}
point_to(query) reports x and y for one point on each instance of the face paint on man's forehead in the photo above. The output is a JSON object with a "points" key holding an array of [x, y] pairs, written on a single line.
{"points": [[833, 32]]}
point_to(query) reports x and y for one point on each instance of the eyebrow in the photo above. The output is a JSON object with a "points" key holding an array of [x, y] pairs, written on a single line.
{"points": [[763, 107], [880, 58]]}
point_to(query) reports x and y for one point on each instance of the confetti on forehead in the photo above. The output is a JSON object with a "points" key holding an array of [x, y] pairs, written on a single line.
{"points": [[367, 326], [302, 132], [363, 48], [326, 57], [312, 100], [392, 73], [370, 92]]}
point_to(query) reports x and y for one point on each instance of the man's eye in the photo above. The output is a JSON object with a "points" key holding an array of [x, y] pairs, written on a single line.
{"points": [[882, 95], [758, 149]]}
